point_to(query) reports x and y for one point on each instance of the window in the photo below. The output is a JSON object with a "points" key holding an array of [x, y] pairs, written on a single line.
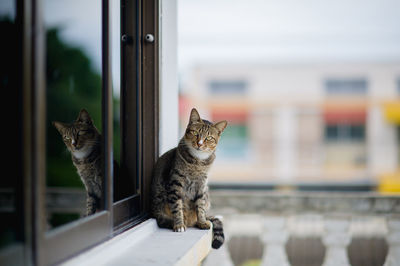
{"points": [[345, 132], [398, 85], [346, 86], [80, 56], [345, 137], [228, 86], [345, 123], [73, 81]]}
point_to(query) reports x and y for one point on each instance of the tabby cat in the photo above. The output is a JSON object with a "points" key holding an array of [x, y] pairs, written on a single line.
{"points": [[83, 140], [179, 187]]}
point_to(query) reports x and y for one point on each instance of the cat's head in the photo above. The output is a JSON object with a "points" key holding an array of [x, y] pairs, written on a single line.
{"points": [[202, 136], [79, 136]]}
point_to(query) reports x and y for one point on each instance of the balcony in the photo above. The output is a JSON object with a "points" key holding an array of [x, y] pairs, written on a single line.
{"points": [[274, 228]]}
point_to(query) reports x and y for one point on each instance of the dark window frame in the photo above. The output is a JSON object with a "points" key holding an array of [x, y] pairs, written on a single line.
{"points": [[139, 134], [18, 252], [138, 18]]}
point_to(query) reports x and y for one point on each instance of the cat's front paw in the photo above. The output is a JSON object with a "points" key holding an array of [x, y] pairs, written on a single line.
{"points": [[204, 225], [179, 228]]}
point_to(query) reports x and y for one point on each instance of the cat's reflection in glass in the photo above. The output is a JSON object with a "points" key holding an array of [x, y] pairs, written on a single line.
{"points": [[83, 141]]}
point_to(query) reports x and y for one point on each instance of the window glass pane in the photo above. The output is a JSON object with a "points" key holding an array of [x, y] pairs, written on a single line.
{"points": [[357, 132], [122, 188], [227, 86], [398, 85], [331, 132], [116, 75], [73, 78], [10, 86], [346, 86]]}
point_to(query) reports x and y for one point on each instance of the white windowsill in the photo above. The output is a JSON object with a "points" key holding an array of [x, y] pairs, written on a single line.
{"points": [[146, 244]]}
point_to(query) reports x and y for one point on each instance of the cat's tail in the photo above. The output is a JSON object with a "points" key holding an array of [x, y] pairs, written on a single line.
{"points": [[218, 232]]}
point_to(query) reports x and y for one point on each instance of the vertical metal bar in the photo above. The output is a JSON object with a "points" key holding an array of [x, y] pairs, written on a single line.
{"points": [[38, 118], [138, 93], [129, 85], [139, 101], [107, 108], [24, 14], [150, 99]]}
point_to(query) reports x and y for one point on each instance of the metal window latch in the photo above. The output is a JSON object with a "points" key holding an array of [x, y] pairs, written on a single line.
{"points": [[149, 38]]}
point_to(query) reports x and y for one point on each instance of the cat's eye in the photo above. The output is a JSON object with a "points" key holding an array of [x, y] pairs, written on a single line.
{"points": [[194, 132], [67, 138], [209, 138]]}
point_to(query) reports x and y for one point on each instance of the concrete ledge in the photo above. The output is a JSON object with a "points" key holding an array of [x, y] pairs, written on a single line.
{"points": [[146, 244], [251, 201]]}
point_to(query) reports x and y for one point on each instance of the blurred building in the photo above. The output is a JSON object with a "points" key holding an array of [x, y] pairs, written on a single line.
{"points": [[300, 123]]}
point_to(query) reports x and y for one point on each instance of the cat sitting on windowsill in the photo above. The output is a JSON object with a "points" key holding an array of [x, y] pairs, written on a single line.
{"points": [[179, 187]]}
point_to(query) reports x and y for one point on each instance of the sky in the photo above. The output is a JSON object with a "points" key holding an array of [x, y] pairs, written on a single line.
{"points": [[214, 31], [80, 26], [7, 8]]}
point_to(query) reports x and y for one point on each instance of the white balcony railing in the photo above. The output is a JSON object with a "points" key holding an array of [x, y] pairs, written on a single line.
{"points": [[336, 220]]}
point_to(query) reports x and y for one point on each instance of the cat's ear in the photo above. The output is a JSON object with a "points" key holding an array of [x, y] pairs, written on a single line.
{"points": [[221, 126], [59, 126], [84, 117], [194, 116]]}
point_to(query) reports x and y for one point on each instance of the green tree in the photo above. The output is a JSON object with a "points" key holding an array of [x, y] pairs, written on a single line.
{"points": [[72, 83]]}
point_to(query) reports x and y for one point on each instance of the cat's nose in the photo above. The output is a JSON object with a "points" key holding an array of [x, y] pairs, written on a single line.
{"points": [[73, 142], [200, 142]]}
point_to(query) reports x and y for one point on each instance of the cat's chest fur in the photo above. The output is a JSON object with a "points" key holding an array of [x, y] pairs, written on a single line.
{"points": [[194, 174], [89, 167], [193, 186]]}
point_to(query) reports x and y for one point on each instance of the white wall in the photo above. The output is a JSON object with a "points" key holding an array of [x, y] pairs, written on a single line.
{"points": [[169, 76]]}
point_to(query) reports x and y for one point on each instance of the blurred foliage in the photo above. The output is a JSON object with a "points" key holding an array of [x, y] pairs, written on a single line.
{"points": [[72, 84]]}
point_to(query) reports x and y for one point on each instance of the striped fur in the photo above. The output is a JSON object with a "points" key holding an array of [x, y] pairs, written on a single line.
{"points": [[180, 197], [218, 232], [84, 142]]}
